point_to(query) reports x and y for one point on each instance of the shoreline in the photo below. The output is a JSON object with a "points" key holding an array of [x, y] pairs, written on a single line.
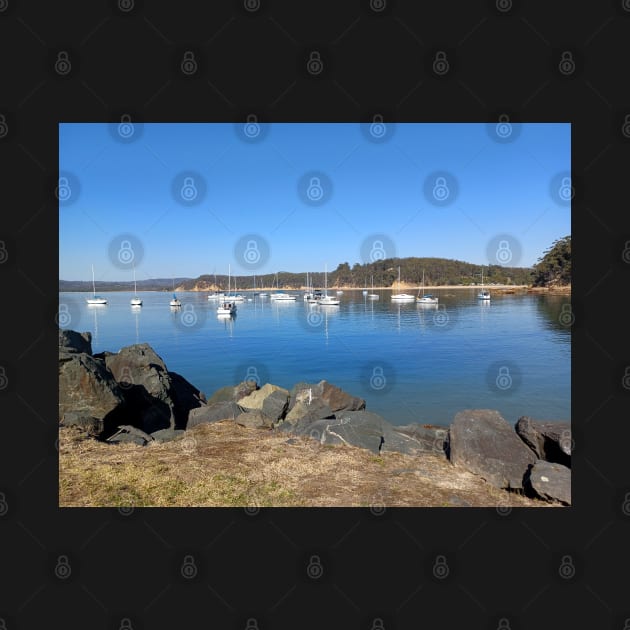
{"points": [[521, 288]]}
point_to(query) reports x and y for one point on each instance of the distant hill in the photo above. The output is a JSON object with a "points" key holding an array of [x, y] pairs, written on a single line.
{"points": [[155, 284], [437, 271]]}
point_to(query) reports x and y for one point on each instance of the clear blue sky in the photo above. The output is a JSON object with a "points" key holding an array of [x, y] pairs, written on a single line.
{"points": [[252, 187]]}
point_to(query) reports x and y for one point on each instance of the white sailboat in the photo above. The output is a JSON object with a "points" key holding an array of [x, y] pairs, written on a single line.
{"points": [[426, 298], [95, 299], [483, 294], [327, 300], [365, 291], [175, 302], [227, 307], [373, 296], [281, 296], [135, 300], [215, 295], [402, 297]]}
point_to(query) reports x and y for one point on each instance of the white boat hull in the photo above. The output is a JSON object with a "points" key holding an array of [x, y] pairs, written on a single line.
{"points": [[403, 297]]}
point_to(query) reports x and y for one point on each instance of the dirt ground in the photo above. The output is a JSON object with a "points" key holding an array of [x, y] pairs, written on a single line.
{"points": [[227, 465]]}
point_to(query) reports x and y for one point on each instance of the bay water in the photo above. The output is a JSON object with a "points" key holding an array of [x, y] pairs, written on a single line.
{"points": [[410, 362]]}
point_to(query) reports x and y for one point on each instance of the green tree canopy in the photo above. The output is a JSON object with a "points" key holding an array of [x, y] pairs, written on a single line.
{"points": [[554, 267]]}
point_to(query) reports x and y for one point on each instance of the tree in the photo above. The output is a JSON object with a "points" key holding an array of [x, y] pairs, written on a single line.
{"points": [[554, 267]]}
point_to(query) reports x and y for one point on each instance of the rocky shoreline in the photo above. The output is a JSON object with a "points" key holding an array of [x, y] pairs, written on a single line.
{"points": [[131, 397]]}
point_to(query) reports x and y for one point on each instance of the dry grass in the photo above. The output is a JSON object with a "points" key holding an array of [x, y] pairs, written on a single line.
{"points": [[226, 465]]}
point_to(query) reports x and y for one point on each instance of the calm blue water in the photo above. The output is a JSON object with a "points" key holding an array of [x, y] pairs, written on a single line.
{"points": [[412, 363]]}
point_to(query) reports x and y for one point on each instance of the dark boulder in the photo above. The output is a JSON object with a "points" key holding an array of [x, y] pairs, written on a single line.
{"points": [[336, 398], [303, 413], [483, 442], [364, 429], [275, 405], [550, 441], [254, 419], [128, 434], [91, 425], [147, 386], [550, 481], [233, 392], [87, 388], [75, 342], [185, 397], [429, 438], [214, 412]]}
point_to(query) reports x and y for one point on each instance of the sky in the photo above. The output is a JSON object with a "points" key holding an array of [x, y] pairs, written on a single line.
{"points": [[181, 200]]}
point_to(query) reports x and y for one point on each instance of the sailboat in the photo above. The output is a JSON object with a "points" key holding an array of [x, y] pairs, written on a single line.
{"points": [[327, 300], [135, 300], [215, 295], [175, 301], [373, 296], [483, 294], [426, 298], [281, 296], [365, 291], [402, 297], [95, 299], [227, 307]]}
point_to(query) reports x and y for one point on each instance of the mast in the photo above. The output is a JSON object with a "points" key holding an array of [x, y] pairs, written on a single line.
{"points": [[93, 285]]}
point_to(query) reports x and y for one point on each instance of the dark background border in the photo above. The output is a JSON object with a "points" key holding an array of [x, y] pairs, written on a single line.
{"points": [[378, 57]]}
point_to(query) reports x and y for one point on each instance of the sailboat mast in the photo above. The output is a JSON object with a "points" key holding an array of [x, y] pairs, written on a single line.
{"points": [[93, 285]]}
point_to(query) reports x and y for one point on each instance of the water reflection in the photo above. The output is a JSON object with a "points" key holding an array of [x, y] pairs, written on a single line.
{"points": [[555, 312]]}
